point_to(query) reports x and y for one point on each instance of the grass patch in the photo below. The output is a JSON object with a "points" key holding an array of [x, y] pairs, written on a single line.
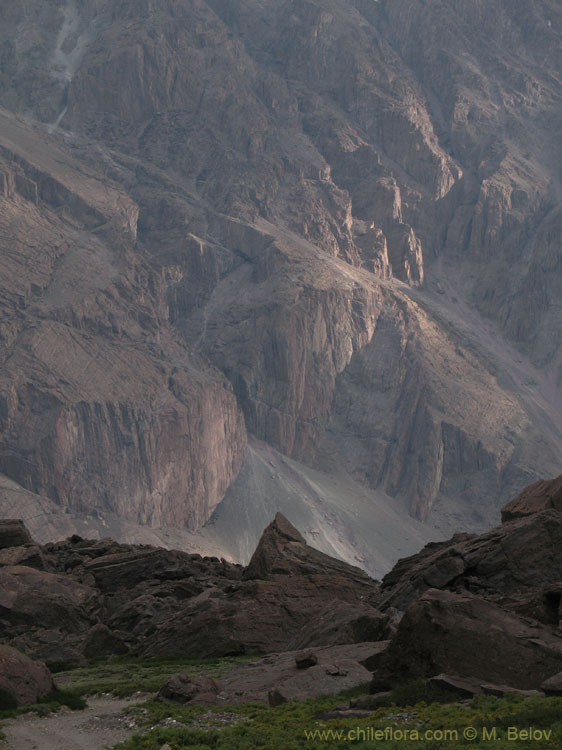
{"points": [[287, 726], [411, 692], [52, 702], [125, 676]]}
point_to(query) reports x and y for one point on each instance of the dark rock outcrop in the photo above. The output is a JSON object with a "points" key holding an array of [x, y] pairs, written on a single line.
{"points": [[112, 598], [467, 636], [542, 495], [490, 564], [13, 533]]}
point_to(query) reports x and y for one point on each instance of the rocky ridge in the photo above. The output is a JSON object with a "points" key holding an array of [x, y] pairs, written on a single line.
{"points": [[472, 612]]}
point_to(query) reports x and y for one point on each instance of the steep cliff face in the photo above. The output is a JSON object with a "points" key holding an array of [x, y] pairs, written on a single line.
{"points": [[333, 224], [99, 407]]}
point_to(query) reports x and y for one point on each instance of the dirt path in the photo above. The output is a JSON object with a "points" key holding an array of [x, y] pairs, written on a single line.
{"points": [[101, 725]]}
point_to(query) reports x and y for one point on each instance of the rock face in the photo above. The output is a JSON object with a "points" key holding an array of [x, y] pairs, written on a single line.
{"points": [[27, 680], [539, 496], [470, 637], [106, 599], [489, 564], [314, 222]]}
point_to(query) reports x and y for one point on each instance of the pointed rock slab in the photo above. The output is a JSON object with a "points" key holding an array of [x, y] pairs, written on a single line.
{"points": [[542, 495], [282, 551]]}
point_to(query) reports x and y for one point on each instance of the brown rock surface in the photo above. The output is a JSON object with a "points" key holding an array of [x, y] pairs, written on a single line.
{"points": [[467, 636], [26, 679], [489, 564], [279, 673], [282, 551], [542, 495], [553, 685], [31, 599]]}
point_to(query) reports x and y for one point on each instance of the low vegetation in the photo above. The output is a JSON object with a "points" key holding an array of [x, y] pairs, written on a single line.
{"points": [[303, 726], [54, 701], [125, 676]]}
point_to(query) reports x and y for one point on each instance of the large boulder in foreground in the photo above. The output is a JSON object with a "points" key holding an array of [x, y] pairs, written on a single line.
{"points": [[27, 680], [545, 494], [185, 688], [469, 637]]}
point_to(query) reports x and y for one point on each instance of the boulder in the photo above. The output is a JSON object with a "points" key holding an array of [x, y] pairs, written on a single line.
{"points": [[553, 685], [185, 688], [255, 617], [125, 570], [322, 679], [464, 688], [542, 495], [27, 680], [501, 690], [13, 533], [471, 638], [306, 660]]}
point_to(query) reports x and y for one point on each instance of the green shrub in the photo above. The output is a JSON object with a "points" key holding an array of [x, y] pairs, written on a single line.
{"points": [[57, 698]]}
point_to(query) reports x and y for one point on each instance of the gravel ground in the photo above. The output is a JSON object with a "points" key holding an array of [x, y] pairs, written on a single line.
{"points": [[102, 724]]}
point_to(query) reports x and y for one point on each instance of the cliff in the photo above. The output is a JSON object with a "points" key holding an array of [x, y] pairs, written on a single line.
{"points": [[331, 225]]}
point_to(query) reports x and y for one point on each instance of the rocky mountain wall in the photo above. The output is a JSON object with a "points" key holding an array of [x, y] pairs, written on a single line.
{"points": [[333, 225]]}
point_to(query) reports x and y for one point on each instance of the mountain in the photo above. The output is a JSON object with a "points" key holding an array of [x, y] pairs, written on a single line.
{"points": [[301, 257]]}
